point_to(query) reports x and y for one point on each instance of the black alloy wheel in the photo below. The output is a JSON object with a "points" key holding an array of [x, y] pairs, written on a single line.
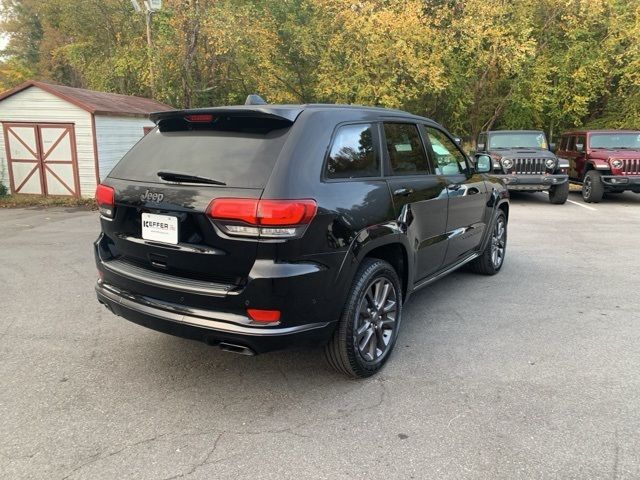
{"points": [[368, 328]]}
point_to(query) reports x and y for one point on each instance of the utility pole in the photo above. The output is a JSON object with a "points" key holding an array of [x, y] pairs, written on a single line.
{"points": [[150, 7], [152, 79]]}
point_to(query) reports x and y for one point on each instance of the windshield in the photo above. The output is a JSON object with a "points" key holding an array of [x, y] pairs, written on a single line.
{"points": [[614, 141], [517, 140]]}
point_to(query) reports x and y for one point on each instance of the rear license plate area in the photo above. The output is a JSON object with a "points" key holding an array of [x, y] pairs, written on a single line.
{"points": [[160, 228]]}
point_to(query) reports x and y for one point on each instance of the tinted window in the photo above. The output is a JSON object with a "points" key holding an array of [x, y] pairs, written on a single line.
{"points": [[449, 160], [238, 152], [406, 152], [352, 153], [572, 143], [580, 144]]}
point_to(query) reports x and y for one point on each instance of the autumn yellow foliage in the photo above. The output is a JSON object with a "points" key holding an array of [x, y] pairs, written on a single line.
{"points": [[471, 64]]}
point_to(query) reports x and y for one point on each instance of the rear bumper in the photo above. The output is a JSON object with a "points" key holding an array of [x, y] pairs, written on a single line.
{"points": [[210, 327], [622, 182], [304, 292], [532, 182]]}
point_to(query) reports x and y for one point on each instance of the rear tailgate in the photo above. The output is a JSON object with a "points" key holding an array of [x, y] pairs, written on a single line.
{"points": [[239, 152]]}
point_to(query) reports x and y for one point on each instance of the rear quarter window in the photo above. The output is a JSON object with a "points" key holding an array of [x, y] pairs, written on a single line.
{"points": [[352, 153]]}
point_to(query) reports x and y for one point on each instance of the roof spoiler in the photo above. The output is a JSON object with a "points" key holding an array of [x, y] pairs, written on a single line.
{"points": [[254, 99], [276, 113]]}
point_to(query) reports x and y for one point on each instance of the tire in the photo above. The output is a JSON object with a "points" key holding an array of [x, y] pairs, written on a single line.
{"points": [[592, 188], [491, 259], [347, 352], [558, 194]]}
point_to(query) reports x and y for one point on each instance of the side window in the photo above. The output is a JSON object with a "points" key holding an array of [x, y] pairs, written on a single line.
{"points": [[572, 144], [580, 144], [449, 160], [563, 144], [406, 152], [352, 153], [482, 141]]}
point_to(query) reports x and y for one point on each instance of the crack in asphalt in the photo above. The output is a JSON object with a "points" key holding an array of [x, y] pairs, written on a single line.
{"points": [[207, 458], [616, 457], [204, 462], [98, 456]]}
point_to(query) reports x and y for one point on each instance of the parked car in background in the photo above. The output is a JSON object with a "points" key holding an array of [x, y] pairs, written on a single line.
{"points": [[261, 226], [523, 160], [603, 161]]}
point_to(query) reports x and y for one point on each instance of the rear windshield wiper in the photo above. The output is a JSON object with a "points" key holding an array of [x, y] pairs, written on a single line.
{"points": [[186, 177]]}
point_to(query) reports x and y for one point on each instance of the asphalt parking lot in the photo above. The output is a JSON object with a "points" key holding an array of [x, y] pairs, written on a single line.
{"points": [[533, 373]]}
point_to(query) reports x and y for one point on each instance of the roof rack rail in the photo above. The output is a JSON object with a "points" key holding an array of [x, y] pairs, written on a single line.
{"points": [[254, 99]]}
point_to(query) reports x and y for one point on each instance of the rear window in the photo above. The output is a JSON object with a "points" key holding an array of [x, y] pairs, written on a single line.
{"points": [[238, 152]]}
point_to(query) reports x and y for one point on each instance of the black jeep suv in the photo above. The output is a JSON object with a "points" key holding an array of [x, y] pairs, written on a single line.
{"points": [[523, 161], [256, 227]]}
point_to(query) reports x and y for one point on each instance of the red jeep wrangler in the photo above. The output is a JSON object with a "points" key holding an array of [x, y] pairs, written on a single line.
{"points": [[603, 161]]}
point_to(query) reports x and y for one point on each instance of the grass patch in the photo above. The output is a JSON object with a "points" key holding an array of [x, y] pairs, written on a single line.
{"points": [[19, 201]]}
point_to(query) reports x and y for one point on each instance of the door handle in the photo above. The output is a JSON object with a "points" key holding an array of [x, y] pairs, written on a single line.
{"points": [[403, 192]]}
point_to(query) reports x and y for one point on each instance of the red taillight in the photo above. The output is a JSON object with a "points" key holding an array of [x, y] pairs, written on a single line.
{"points": [[105, 195], [105, 198], [286, 212], [267, 218], [241, 209], [199, 118], [263, 316]]}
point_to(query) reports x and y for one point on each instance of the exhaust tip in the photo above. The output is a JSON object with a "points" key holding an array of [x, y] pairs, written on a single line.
{"points": [[239, 349]]}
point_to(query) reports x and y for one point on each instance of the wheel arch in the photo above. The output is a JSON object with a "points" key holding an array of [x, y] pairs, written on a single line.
{"points": [[504, 206], [600, 166], [392, 246], [396, 254]]}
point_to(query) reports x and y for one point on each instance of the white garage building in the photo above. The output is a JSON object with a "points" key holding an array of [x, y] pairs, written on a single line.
{"points": [[61, 140]]}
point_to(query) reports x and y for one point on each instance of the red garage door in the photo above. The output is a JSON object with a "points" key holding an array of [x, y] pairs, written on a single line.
{"points": [[42, 158]]}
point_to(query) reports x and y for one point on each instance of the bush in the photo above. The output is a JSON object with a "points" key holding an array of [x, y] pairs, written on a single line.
{"points": [[22, 201], [3, 189]]}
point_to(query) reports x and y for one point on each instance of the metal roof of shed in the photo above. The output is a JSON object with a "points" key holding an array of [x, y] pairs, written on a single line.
{"points": [[99, 103]]}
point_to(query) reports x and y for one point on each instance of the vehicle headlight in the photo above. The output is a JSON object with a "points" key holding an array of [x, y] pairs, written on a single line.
{"points": [[507, 163], [550, 163], [617, 163]]}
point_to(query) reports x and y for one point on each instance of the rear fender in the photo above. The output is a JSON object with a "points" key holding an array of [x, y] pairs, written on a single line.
{"points": [[365, 242]]}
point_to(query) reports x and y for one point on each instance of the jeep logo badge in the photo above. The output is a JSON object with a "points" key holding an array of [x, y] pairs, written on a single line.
{"points": [[151, 197]]}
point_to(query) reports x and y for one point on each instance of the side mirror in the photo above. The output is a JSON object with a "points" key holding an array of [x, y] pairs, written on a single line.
{"points": [[552, 147], [483, 163], [481, 147]]}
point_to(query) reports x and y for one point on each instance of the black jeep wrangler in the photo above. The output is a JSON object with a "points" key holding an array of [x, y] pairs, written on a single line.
{"points": [[524, 162], [260, 226]]}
